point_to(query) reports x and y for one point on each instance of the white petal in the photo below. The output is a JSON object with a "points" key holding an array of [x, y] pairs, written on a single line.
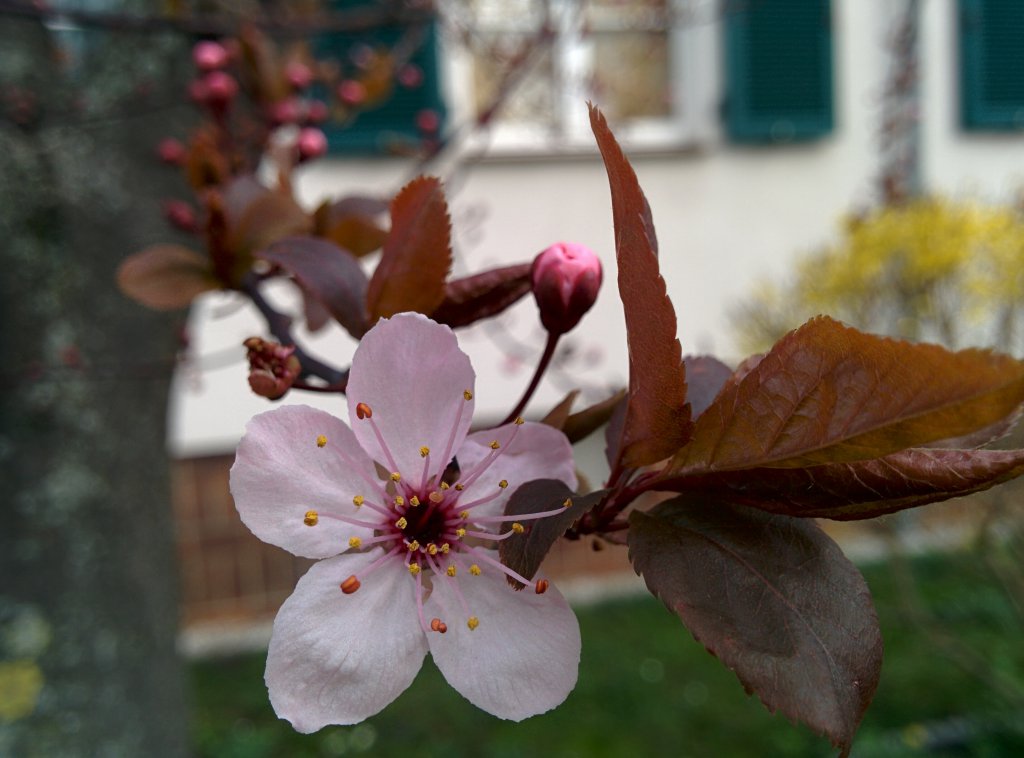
{"points": [[410, 372], [337, 658], [537, 451], [280, 473], [524, 656]]}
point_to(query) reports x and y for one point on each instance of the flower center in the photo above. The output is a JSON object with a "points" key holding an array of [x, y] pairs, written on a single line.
{"points": [[433, 523]]}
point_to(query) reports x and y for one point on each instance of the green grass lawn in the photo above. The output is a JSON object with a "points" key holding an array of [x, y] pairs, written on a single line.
{"points": [[646, 688]]}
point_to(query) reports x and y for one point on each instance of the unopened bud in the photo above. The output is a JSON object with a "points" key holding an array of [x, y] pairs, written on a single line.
{"points": [[428, 121], [566, 278], [180, 214], [221, 88], [312, 143], [298, 74], [171, 151], [285, 111], [273, 367], [351, 92], [209, 55], [317, 111], [410, 75]]}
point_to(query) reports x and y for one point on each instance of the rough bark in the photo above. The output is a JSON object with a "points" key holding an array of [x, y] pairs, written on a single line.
{"points": [[88, 609]]}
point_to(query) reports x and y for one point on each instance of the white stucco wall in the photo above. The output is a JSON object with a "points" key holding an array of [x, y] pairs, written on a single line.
{"points": [[725, 216]]}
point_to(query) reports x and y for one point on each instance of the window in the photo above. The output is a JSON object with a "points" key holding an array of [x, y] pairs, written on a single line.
{"points": [[992, 64], [627, 56], [778, 56], [400, 110]]}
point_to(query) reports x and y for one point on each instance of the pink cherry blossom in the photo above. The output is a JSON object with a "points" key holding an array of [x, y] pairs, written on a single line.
{"points": [[414, 505]]}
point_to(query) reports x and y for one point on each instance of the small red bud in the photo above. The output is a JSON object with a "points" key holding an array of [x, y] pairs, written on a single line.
{"points": [[410, 76], [428, 121], [566, 278], [209, 56], [312, 143], [180, 214], [316, 111], [171, 151], [285, 111], [221, 88], [298, 74], [351, 92], [273, 367]]}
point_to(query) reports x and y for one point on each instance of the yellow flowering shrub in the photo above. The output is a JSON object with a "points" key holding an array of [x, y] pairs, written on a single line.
{"points": [[933, 268]]}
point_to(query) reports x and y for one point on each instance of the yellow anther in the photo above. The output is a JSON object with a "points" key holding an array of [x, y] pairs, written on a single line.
{"points": [[460, 532], [435, 497], [567, 502], [432, 548], [451, 570], [519, 421], [444, 485], [474, 570], [413, 546], [401, 523], [467, 394], [358, 500], [395, 476], [445, 547], [321, 440], [355, 543], [414, 568], [495, 444], [463, 514], [472, 622], [517, 527], [414, 501], [399, 500], [311, 518], [424, 451], [503, 483], [460, 487]]}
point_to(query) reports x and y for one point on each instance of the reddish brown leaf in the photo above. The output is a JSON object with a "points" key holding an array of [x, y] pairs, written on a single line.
{"points": [[583, 423], [165, 277], [482, 295], [523, 553], [328, 274], [863, 489], [258, 217], [827, 393], [772, 597], [417, 253], [657, 419], [558, 415], [705, 377], [352, 223]]}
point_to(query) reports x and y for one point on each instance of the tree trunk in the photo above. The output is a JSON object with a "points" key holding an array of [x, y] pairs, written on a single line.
{"points": [[88, 612]]}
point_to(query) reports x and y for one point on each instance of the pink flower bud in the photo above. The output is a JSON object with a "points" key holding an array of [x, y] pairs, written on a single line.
{"points": [[312, 143], [428, 121], [316, 111], [298, 74], [171, 151], [351, 92], [221, 88], [180, 214], [285, 111], [566, 278], [209, 56], [410, 76]]}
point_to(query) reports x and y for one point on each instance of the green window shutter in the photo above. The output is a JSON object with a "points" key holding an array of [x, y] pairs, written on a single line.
{"points": [[992, 64], [779, 70], [389, 125]]}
